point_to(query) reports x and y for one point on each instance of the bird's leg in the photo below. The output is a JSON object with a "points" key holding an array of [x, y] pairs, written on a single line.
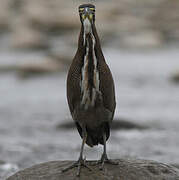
{"points": [[81, 161], [104, 157]]}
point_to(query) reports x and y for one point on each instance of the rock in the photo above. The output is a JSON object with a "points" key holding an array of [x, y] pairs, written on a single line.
{"points": [[175, 77], [8, 68], [117, 124], [124, 124], [39, 68], [2, 162], [4, 15], [128, 169], [35, 66], [175, 165]]}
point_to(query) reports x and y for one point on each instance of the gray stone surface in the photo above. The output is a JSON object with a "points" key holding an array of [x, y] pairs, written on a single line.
{"points": [[128, 169]]}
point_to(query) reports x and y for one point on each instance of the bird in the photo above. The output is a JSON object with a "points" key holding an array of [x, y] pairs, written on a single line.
{"points": [[90, 89]]}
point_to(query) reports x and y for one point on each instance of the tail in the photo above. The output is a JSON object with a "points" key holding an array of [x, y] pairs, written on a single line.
{"points": [[95, 136]]}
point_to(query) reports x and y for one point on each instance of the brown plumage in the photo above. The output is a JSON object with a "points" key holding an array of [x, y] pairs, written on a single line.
{"points": [[90, 87], [102, 113]]}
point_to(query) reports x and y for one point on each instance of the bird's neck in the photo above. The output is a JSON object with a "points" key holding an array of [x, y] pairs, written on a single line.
{"points": [[89, 46], [85, 33]]}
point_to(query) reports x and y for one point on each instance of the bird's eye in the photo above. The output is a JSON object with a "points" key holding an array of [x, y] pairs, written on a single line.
{"points": [[92, 9], [81, 9]]}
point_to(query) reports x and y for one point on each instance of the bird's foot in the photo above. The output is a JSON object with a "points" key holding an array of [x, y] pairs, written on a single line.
{"points": [[81, 162], [104, 159]]}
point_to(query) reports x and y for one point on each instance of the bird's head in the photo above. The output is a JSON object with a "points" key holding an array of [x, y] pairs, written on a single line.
{"points": [[87, 16]]}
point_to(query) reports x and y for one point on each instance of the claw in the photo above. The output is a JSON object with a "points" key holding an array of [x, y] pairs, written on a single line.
{"points": [[104, 159], [70, 167], [81, 162]]}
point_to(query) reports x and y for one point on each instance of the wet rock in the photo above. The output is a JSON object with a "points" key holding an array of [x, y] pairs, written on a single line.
{"points": [[36, 68], [175, 165], [2, 162], [124, 124], [175, 77], [8, 68], [118, 124], [66, 125], [128, 169]]}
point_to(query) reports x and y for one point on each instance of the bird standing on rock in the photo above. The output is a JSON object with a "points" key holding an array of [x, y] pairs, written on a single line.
{"points": [[90, 89]]}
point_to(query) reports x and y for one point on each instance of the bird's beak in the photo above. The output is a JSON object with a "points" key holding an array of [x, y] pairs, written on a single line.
{"points": [[87, 14]]}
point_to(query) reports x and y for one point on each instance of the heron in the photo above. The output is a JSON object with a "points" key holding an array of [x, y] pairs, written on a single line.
{"points": [[90, 89]]}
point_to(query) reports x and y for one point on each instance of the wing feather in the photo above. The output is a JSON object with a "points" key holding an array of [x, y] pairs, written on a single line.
{"points": [[107, 87]]}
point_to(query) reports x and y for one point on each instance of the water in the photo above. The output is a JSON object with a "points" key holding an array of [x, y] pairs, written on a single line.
{"points": [[31, 109]]}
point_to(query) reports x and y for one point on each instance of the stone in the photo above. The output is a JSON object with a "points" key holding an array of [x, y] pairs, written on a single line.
{"points": [[175, 77], [42, 67], [8, 68], [175, 165], [128, 169], [4, 15], [33, 67]]}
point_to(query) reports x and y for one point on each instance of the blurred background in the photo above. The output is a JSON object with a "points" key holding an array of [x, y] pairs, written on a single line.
{"points": [[38, 39]]}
